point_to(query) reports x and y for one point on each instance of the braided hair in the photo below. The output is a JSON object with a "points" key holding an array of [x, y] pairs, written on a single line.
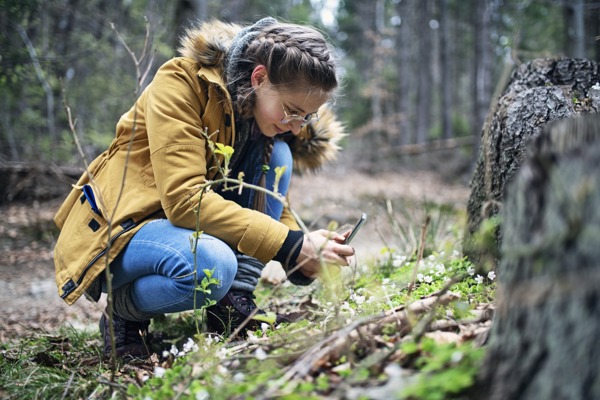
{"points": [[296, 57], [260, 198]]}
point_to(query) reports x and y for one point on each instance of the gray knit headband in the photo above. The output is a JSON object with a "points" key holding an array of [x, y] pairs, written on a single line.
{"points": [[240, 44]]}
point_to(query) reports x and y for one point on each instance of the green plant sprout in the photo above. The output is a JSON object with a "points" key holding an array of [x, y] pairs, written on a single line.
{"points": [[226, 152]]}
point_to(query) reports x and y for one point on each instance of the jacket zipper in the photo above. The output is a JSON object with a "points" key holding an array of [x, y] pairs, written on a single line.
{"points": [[127, 225]]}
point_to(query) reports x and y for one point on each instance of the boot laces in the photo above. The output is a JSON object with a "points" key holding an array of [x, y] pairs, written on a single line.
{"points": [[128, 332]]}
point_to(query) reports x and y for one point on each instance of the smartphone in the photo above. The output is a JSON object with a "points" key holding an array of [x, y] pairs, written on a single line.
{"points": [[356, 228]]}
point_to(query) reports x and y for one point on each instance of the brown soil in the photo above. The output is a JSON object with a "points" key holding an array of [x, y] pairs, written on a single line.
{"points": [[28, 295]]}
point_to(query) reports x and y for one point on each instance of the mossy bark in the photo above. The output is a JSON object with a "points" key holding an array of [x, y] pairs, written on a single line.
{"points": [[538, 92], [544, 339]]}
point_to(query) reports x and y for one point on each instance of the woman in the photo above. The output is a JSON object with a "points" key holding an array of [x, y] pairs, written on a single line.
{"points": [[261, 90]]}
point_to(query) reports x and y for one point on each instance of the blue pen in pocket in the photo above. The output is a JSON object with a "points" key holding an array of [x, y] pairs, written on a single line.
{"points": [[91, 198]]}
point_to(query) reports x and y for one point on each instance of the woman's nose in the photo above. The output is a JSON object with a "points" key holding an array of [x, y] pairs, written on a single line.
{"points": [[295, 127]]}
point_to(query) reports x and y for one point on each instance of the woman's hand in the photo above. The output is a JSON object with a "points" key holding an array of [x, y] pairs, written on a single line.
{"points": [[326, 246]]}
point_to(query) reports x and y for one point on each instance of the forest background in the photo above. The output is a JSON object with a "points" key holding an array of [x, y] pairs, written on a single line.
{"points": [[417, 75], [419, 78]]}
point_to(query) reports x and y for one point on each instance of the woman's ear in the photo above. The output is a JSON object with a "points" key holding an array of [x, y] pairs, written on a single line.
{"points": [[259, 76]]}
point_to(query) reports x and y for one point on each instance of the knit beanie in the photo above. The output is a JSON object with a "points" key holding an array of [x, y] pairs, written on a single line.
{"points": [[240, 44]]}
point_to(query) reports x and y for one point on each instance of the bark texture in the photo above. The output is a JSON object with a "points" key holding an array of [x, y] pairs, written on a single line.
{"points": [[544, 339], [538, 92]]}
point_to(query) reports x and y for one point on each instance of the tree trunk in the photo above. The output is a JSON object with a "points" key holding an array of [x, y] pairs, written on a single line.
{"points": [[424, 77], [592, 30], [575, 25], [446, 84], [405, 40], [482, 65], [376, 78], [544, 339], [539, 92]]}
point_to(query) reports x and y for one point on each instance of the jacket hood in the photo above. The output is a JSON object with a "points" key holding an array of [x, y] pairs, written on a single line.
{"points": [[208, 44]]}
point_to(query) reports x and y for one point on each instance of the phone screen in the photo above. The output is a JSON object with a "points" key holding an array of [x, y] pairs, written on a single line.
{"points": [[356, 228]]}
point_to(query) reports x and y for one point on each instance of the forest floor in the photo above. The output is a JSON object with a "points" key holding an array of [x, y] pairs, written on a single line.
{"points": [[28, 296]]}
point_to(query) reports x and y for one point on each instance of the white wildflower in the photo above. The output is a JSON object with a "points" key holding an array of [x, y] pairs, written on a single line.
{"points": [[457, 356], [159, 372], [420, 277], [221, 369], [431, 257], [479, 279], [491, 275], [174, 350], [440, 269], [202, 394], [239, 377], [260, 354], [222, 353], [428, 279], [357, 299], [213, 338], [190, 346], [471, 271], [251, 336], [264, 326]]}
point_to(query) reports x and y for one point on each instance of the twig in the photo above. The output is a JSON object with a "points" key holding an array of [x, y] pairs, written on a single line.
{"points": [[304, 364], [68, 386], [113, 384], [140, 76], [425, 322], [420, 253]]}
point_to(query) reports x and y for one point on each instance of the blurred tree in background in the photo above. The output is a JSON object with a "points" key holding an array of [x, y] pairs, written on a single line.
{"points": [[415, 71]]}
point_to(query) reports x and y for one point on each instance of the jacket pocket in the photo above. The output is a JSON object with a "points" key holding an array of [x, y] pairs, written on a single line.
{"points": [[83, 234]]}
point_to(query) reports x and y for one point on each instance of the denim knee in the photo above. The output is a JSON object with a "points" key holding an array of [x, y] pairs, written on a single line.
{"points": [[164, 271], [212, 257], [217, 257]]}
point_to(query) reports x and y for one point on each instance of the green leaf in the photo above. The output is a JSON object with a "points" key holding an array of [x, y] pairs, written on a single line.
{"points": [[226, 151], [269, 317]]}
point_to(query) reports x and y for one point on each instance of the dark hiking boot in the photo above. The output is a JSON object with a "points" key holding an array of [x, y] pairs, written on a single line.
{"points": [[130, 337], [233, 310]]}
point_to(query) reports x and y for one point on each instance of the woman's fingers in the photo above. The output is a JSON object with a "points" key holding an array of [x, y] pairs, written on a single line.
{"points": [[324, 246]]}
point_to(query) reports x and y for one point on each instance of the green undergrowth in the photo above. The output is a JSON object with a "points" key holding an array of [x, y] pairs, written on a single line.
{"points": [[362, 330]]}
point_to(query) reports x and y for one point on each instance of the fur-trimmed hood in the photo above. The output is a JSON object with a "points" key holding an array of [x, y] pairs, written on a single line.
{"points": [[208, 44]]}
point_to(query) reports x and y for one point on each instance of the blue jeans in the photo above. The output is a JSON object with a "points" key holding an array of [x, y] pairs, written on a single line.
{"points": [[158, 262]]}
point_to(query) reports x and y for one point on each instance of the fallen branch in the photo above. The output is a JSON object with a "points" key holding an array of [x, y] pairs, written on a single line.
{"points": [[322, 351]]}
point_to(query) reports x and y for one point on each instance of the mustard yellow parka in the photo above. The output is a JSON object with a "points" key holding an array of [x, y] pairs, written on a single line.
{"points": [[156, 164]]}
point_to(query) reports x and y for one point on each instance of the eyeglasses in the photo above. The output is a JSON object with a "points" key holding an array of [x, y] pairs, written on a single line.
{"points": [[295, 117]]}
